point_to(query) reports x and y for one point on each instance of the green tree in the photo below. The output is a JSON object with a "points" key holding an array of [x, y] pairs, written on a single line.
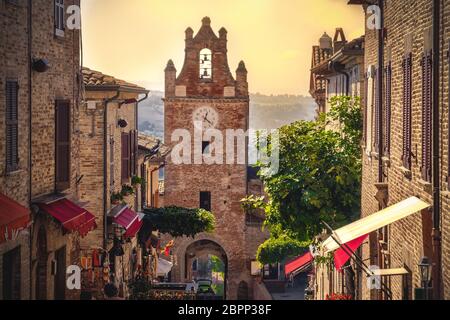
{"points": [[319, 179], [177, 222]]}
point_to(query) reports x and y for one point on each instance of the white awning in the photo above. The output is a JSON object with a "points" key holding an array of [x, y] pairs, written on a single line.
{"points": [[390, 272], [374, 222], [164, 267]]}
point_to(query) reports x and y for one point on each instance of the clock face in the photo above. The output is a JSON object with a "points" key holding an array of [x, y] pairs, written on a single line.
{"points": [[206, 117]]}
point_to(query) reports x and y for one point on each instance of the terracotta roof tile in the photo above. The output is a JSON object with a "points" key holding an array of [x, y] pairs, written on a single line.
{"points": [[92, 78]]}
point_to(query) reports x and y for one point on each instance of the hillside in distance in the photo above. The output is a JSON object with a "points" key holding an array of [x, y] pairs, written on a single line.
{"points": [[266, 112]]}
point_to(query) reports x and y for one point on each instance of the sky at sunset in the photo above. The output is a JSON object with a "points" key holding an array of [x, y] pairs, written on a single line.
{"points": [[134, 39]]}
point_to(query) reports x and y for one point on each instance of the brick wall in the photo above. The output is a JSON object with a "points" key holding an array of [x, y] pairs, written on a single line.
{"points": [[91, 156], [58, 83], [409, 239]]}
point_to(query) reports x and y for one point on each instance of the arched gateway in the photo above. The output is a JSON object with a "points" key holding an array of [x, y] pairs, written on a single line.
{"points": [[205, 94]]}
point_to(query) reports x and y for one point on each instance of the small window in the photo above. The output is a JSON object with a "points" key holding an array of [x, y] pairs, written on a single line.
{"points": [[205, 200], [205, 64], [59, 18], [206, 147]]}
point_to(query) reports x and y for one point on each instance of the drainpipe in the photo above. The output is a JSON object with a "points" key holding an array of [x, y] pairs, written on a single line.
{"points": [[105, 168], [436, 152], [30, 124]]}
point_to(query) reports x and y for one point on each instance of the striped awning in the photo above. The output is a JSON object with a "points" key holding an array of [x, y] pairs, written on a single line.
{"points": [[72, 217], [374, 222], [13, 218]]}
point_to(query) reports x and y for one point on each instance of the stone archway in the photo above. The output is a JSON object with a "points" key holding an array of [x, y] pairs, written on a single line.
{"points": [[41, 268], [201, 249]]}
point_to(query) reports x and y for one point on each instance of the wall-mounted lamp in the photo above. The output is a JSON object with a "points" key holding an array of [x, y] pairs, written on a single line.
{"points": [[123, 123], [425, 268], [425, 271], [40, 65]]}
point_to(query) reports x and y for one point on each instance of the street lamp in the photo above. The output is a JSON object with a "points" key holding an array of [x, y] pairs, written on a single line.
{"points": [[425, 273]]}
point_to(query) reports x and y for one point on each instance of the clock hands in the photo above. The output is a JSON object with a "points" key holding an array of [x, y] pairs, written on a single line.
{"points": [[206, 118]]}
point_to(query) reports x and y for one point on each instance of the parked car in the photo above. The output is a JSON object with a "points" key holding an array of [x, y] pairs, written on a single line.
{"points": [[205, 286]]}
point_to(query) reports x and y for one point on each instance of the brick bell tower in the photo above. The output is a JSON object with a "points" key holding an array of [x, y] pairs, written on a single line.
{"points": [[206, 91]]}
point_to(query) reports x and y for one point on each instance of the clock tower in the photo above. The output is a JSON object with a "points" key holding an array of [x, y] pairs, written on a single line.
{"points": [[206, 94]]}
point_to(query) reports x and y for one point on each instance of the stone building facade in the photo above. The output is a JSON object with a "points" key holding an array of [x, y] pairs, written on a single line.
{"points": [[40, 60], [152, 155], [205, 92], [341, 69], [109, 140], [398, 151]]}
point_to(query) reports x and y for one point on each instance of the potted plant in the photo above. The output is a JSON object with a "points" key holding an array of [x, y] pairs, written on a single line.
{"points": [[137, 181], [127, 190], [116, 198]]}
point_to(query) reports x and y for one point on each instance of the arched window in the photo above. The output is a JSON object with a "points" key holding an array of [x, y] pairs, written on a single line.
{"points": [[205, 64]]}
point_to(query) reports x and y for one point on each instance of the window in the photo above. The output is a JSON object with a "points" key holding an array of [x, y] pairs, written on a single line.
{"points": [[370, 109], [388, 109], [12, 126], [205, 200], [206, 147], [125, 157], [427, 79], [11, 275], [59, 18], [63, 137], [205, 64], [407, 111]]}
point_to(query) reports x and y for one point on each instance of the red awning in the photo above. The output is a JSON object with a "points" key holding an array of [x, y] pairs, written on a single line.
{"points": [[13, 218], [299, 263], [129, 220], [341, 257], [72, 217]]}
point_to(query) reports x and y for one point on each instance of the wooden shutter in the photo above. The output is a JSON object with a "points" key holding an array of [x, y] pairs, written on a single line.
{"points": [[388, 110], [448, 94], [376, 140], [112, 175], [125, 157], [63, 137], [427, 116], [12, 126], [59, 18], [407, 112], [366, 105], [133, 152]]}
